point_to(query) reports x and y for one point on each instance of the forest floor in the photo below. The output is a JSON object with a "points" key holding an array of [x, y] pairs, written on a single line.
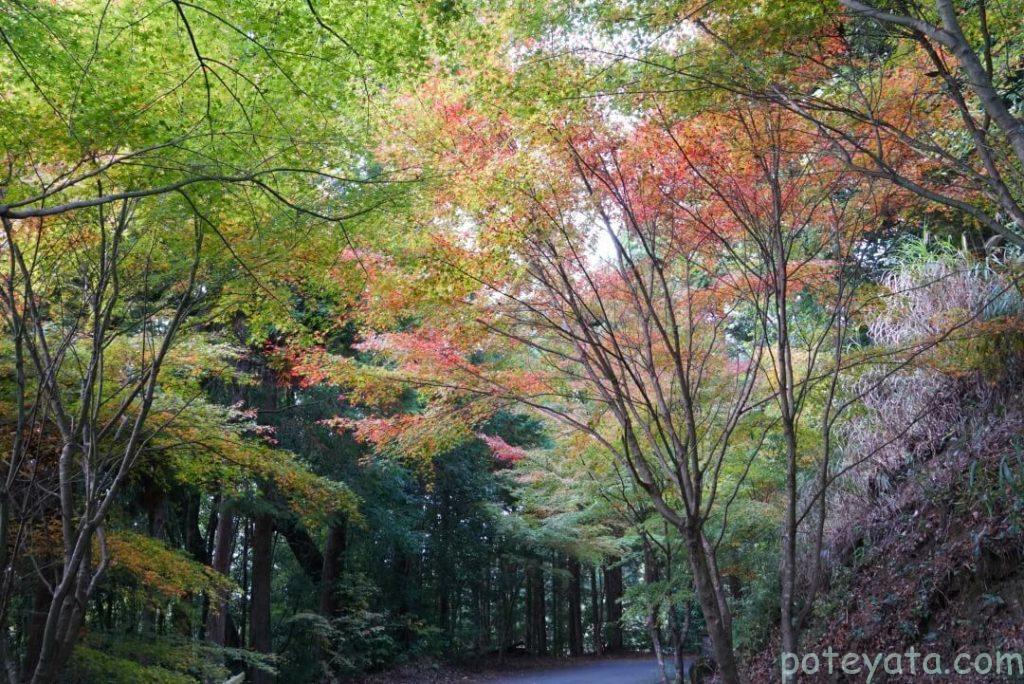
{"points": [[623, 669]]}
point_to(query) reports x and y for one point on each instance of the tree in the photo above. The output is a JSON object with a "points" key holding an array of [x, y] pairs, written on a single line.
{"points": [[996, 160], [135, 136], [335, 333], [655, 281], [797, 217], [918, 94]]}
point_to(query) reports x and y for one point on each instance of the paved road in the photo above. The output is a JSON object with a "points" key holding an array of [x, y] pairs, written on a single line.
{"points": [[631, 671]]}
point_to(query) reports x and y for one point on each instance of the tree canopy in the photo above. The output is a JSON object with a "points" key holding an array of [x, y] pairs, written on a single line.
{"points": [[339, 337]]}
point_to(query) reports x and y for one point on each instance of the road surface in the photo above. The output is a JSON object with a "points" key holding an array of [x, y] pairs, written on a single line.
{"points": [[625, 671]]}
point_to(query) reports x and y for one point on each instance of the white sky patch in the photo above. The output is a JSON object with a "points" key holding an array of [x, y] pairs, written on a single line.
{"points": [[602, 48], [600, 248], [604, 247]]}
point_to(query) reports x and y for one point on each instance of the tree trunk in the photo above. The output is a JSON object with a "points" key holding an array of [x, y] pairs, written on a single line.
{"points": [[613, 605], [787, 563], [652, 576], [535, 609], [41, 598], [262, 567], [478, 616], [716, 615], [193, 536], [303, 547], [155, 501], [444, 609], [217, 619], [247, 532], [485, 610], [787, 575], [595, 612], [529, 639], [680, 630], [655, 632], [557, 605], [508, 591], [575, 612], [333, 565]]}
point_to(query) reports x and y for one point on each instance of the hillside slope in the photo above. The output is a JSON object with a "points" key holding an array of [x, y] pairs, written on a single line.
{"points": [[931, 558]]}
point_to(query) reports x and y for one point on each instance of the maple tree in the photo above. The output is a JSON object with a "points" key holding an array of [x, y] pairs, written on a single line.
{"points": [[705, 231], [923, 95], [656, 288]]}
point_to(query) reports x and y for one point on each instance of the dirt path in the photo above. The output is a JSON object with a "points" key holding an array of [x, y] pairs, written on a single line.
{"points": [[624, 671]]}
